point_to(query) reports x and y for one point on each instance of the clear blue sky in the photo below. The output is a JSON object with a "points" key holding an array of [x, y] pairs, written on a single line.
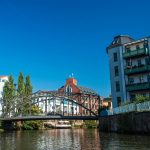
{"points": [[50, 39]]}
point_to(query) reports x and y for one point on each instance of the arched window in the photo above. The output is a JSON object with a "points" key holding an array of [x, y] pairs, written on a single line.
{"points": [[68, 90]]}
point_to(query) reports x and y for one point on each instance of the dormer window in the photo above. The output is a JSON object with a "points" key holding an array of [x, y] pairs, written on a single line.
{"points": [[68, 89], [116, 41]]}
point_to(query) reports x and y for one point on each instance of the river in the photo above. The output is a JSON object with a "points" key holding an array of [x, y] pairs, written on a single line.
{"points": [[71, 139]]}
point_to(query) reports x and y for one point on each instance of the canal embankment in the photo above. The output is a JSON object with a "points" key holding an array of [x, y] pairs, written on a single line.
{"points": [[132, 122], [51, 124], [71, 124]]}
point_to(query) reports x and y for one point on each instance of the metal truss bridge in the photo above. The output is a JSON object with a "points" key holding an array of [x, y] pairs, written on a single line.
{"points": [[59, 106]]}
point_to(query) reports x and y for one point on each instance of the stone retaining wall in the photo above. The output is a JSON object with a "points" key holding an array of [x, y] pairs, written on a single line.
{"points": [[133, 122]]}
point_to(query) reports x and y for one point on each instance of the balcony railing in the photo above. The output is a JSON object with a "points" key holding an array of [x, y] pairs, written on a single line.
{"points": [[137, 52], [145, 106], [138, 86], [137, 69]]}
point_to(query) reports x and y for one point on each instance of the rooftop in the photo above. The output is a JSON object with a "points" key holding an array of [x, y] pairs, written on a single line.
{"points": [[136, 41], [3, 76], [119, 40], [87, 90]]}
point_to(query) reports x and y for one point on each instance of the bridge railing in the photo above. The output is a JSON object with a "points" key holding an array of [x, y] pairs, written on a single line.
{"points": [[145, 106]]}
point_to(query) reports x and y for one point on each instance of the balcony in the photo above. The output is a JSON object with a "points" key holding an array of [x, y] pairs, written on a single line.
{"points": [[134, 53], [137, 69], [138, 86]]}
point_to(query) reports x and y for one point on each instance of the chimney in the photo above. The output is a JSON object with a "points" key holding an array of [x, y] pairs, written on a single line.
{"points": [[71, 81]]}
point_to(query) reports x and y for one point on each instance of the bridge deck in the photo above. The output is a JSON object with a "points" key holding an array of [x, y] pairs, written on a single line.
{"points": [[27, 118]]}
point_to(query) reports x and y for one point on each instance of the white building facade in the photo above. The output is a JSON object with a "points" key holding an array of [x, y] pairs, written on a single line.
{"points": [[3, 79], [54, 105], [129, 62]]}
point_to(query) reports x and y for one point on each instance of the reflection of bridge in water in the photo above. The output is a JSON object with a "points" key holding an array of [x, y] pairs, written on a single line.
{"points": [[56, 105]]}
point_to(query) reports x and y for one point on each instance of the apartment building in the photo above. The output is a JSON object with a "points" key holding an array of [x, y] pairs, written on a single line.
{"points": [[129, 62]]}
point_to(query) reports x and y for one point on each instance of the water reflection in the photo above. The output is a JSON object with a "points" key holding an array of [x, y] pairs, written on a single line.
{"points": [[71, 139], [61, 139], [112, 141]]}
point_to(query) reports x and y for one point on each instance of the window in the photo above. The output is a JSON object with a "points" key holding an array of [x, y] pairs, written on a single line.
{"points": [[116, 41], [148, 78], [118, 101], [129, 63], [115, 57], [132, 97], [147, 61], [128, 49], [131, 80], [86, 105], [116, 71], [141, 79], [68, 89], [117, 86], [139, 62], [137, 47]]}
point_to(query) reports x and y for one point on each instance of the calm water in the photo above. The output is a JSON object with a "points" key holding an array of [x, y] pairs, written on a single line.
{"points": [[68, 139]]}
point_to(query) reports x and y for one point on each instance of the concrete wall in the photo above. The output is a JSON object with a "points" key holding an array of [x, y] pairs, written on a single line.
{"points": [[126, 123]]}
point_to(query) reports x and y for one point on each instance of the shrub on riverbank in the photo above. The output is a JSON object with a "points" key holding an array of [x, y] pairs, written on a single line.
{"points": [[32, 125], [90, 124], [1, 130], [140, 99]]}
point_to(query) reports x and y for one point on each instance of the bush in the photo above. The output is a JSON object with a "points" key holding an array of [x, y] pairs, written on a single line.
{"points": [[1, 130], [140, 99], [32, 125], [90, 124]]}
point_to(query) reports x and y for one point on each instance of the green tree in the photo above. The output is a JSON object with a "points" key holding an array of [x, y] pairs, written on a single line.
{"points": [[8, 97], [33, 125], [36, 110], [21, 86], [27, 98], [20, 94], [28, 86], [24, 94], [21, 100]]}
